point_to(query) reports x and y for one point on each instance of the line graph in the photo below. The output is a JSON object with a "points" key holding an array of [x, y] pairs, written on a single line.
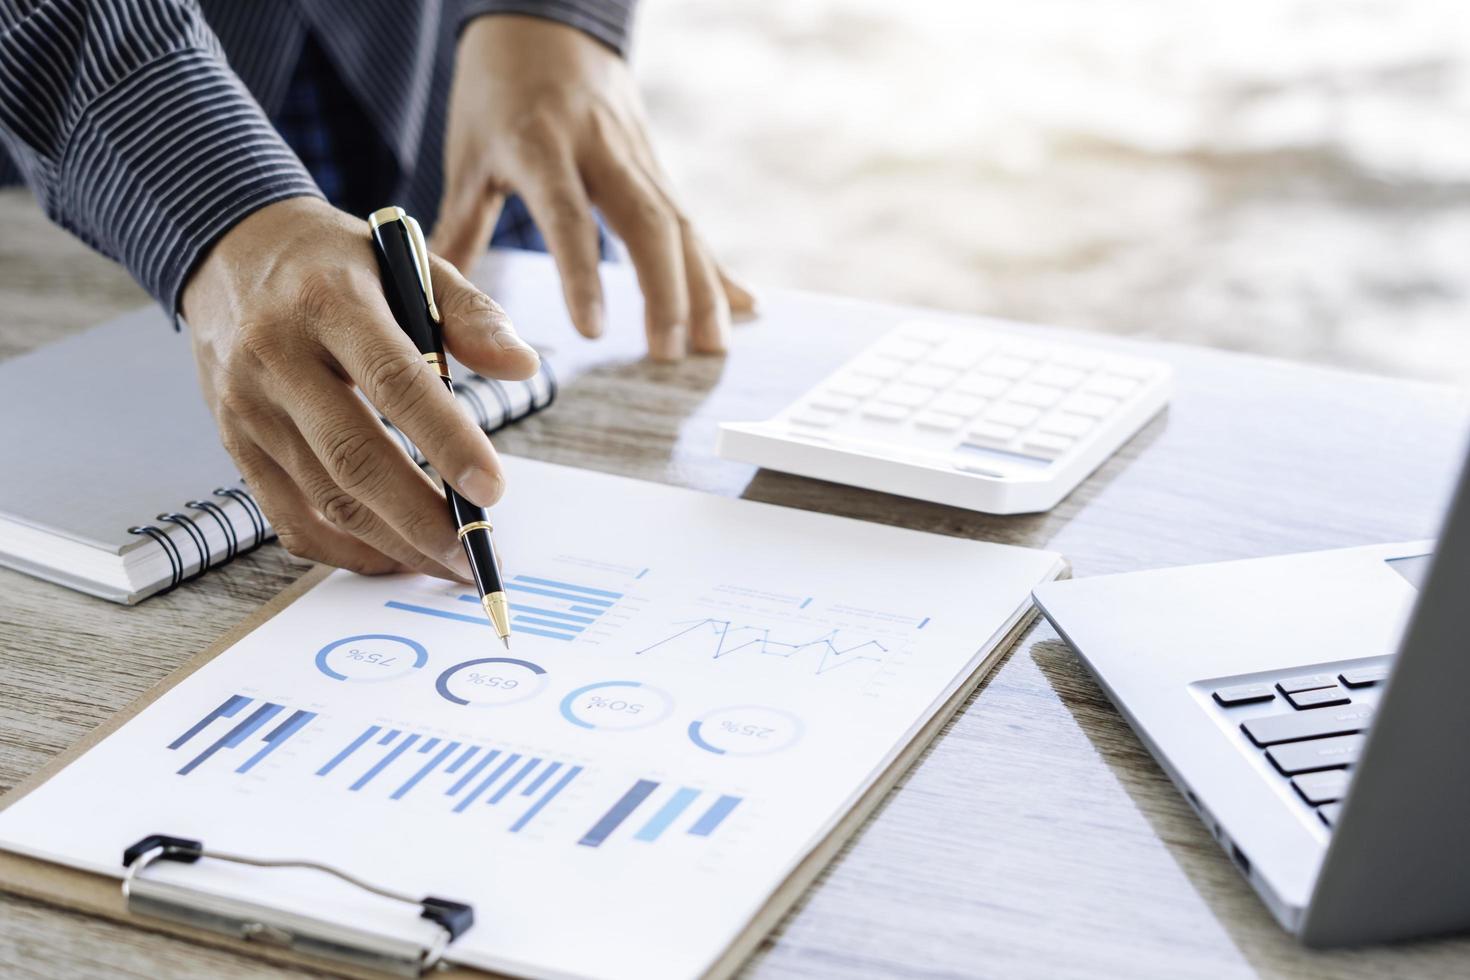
{"points": [[718, 638]]}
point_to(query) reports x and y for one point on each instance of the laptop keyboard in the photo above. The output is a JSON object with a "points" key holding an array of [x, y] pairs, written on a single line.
{"points": [[1310, 726]]}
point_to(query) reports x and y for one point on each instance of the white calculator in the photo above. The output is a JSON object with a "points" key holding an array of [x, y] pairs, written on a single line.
{"points": [[983, 418]]}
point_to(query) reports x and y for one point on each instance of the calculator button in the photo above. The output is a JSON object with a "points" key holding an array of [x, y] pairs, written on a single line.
{"points": [[833, 401], [929, 375], [903, 350], [940, 421], [1111, 385], [886, 412], [965, 405], [1039, 396], [1244, 694], [815, 419], [1058, 377], [1017, 415], [1001, 366], [1046, 446], [960, 354], [982, 385], [878, 367], [910, 396], [1093, 406], [1066, 424], [1364, 676], [992, 434], [854, 385]]}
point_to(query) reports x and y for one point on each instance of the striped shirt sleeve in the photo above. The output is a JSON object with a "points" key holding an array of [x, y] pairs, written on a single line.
{"points": [[610, 21], [133, 132]]}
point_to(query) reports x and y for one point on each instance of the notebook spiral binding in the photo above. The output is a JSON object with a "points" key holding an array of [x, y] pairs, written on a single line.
{"points": [[207, 557], [493, 405]]}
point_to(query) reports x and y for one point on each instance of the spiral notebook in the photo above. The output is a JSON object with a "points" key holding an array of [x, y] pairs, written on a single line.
{"points": [[114, 481]]}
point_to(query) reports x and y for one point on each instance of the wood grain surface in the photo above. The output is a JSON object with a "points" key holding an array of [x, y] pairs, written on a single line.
{"points": [[1036, 839]]}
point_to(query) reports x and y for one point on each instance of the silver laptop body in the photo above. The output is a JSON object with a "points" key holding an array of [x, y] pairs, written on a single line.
{"points": [[1315, 711]]}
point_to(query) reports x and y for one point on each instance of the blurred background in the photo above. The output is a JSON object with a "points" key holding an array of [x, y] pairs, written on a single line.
{"points": [[1290, 177]]}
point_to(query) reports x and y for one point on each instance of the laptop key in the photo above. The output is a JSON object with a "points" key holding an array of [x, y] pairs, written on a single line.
{"points": [[1327, 786], [1322, 697], [1244, 694], [1306, 682], [1364, 676], [1320, 723], [1321, 753], [1329, 813]]}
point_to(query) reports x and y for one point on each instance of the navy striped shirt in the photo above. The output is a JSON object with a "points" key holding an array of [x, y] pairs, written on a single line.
{"points": [[143, 126]]}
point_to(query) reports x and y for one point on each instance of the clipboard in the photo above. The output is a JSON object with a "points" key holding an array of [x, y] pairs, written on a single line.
{"points": [[101, 896]]}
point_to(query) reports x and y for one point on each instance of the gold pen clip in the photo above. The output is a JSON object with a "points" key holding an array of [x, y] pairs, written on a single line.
{"points": [[420, 249]]}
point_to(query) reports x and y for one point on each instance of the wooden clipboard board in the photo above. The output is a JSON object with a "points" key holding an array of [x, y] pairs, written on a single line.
{"points": [[100, 895]]}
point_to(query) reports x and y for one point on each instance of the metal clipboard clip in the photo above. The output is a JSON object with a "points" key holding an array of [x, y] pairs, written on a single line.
{"points": [[288, 930]]}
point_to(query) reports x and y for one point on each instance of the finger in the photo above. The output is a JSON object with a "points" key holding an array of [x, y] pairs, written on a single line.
{"points": [[650, 228], [709, 311], [279, 439], [467, 217], [477, 330], [742, 299], [558, 203], [300, 529], [364, 461], [407, 392]]}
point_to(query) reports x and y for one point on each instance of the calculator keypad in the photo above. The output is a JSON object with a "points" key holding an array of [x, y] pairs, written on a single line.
{"points": [[966, 393]]}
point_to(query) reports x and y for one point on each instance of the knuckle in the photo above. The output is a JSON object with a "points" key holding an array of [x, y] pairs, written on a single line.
{"points": [[344, 510], [296, 540], [353, 464], [316, 294], [652, 217], [261, 345], [394, 382]]}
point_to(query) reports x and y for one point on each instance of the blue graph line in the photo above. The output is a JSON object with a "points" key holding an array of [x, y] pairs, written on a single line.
{"points": [[555, 636], [383, 763], [464, 780], [427, 768], [567, 586], [549, 624], [356, 744], [666, 814], [427, 611], [227, 709], [714, 816], [511, 783], [728, 639], [540, 804], [512, 586], [468, 754], [588, 610], [474, 794], [236, 735], [278, 737], [541, 777]]}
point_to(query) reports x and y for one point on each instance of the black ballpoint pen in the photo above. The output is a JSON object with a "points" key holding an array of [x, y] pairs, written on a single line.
{"points": [[403, 262]]}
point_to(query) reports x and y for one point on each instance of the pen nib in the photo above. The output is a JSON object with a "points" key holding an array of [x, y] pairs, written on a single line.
{"points": [[506, 641]]}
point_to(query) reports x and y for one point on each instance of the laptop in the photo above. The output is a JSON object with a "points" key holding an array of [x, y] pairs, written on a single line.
{"points": [[1314, 709]]}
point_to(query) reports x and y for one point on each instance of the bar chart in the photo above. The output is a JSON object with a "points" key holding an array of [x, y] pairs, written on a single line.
{"points": [[556, 610], [648, 810], [391, 763], [235, 735]]}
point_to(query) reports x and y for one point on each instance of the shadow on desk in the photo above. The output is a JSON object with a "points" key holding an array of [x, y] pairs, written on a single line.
{"points": [[1270, 951]]}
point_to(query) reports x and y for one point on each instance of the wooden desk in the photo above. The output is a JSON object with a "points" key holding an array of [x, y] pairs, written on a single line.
{"points": [[1036, 838]]}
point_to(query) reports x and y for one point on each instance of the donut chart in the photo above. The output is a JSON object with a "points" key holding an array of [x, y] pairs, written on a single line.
{"points": [[371, 657], [746, 729], [616, 706], [491, 681]]}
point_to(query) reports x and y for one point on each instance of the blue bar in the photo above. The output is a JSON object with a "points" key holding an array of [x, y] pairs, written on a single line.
{"points": [[554, 636], [667, 814], [429, 745], [620, 811], [278, 737], [425, 610], [468, 753], [236, 735], [924, 623], [587, 609], [549, 624], [805, 602], [474, 771], [532, 611], [383, 763], [536, 807], [474, 794], [227, 709], [714, 816], [429, 767], [549, 583], [541, 777], [510, 783], [356, 744], [641, 574], [558, 595], [392, 734]]}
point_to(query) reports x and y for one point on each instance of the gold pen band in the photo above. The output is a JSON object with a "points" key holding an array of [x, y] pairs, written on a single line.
{"points": [[474, 526], [498, 611]]}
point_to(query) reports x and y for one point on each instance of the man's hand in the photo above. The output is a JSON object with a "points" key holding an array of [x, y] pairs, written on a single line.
{"points": [[547, 112], [288, 316]]}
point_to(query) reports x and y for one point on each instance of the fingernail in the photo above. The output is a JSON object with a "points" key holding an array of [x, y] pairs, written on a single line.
{"points": [[510, 340], [592, 318], [669, 344], [482, 486]]}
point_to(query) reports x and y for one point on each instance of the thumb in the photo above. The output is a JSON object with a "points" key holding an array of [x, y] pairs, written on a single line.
{"points": [[467, 219], [477, 330]]}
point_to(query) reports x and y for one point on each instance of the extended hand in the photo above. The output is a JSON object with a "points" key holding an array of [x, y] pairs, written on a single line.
{"points": [[287, 314], [551, 114]]}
